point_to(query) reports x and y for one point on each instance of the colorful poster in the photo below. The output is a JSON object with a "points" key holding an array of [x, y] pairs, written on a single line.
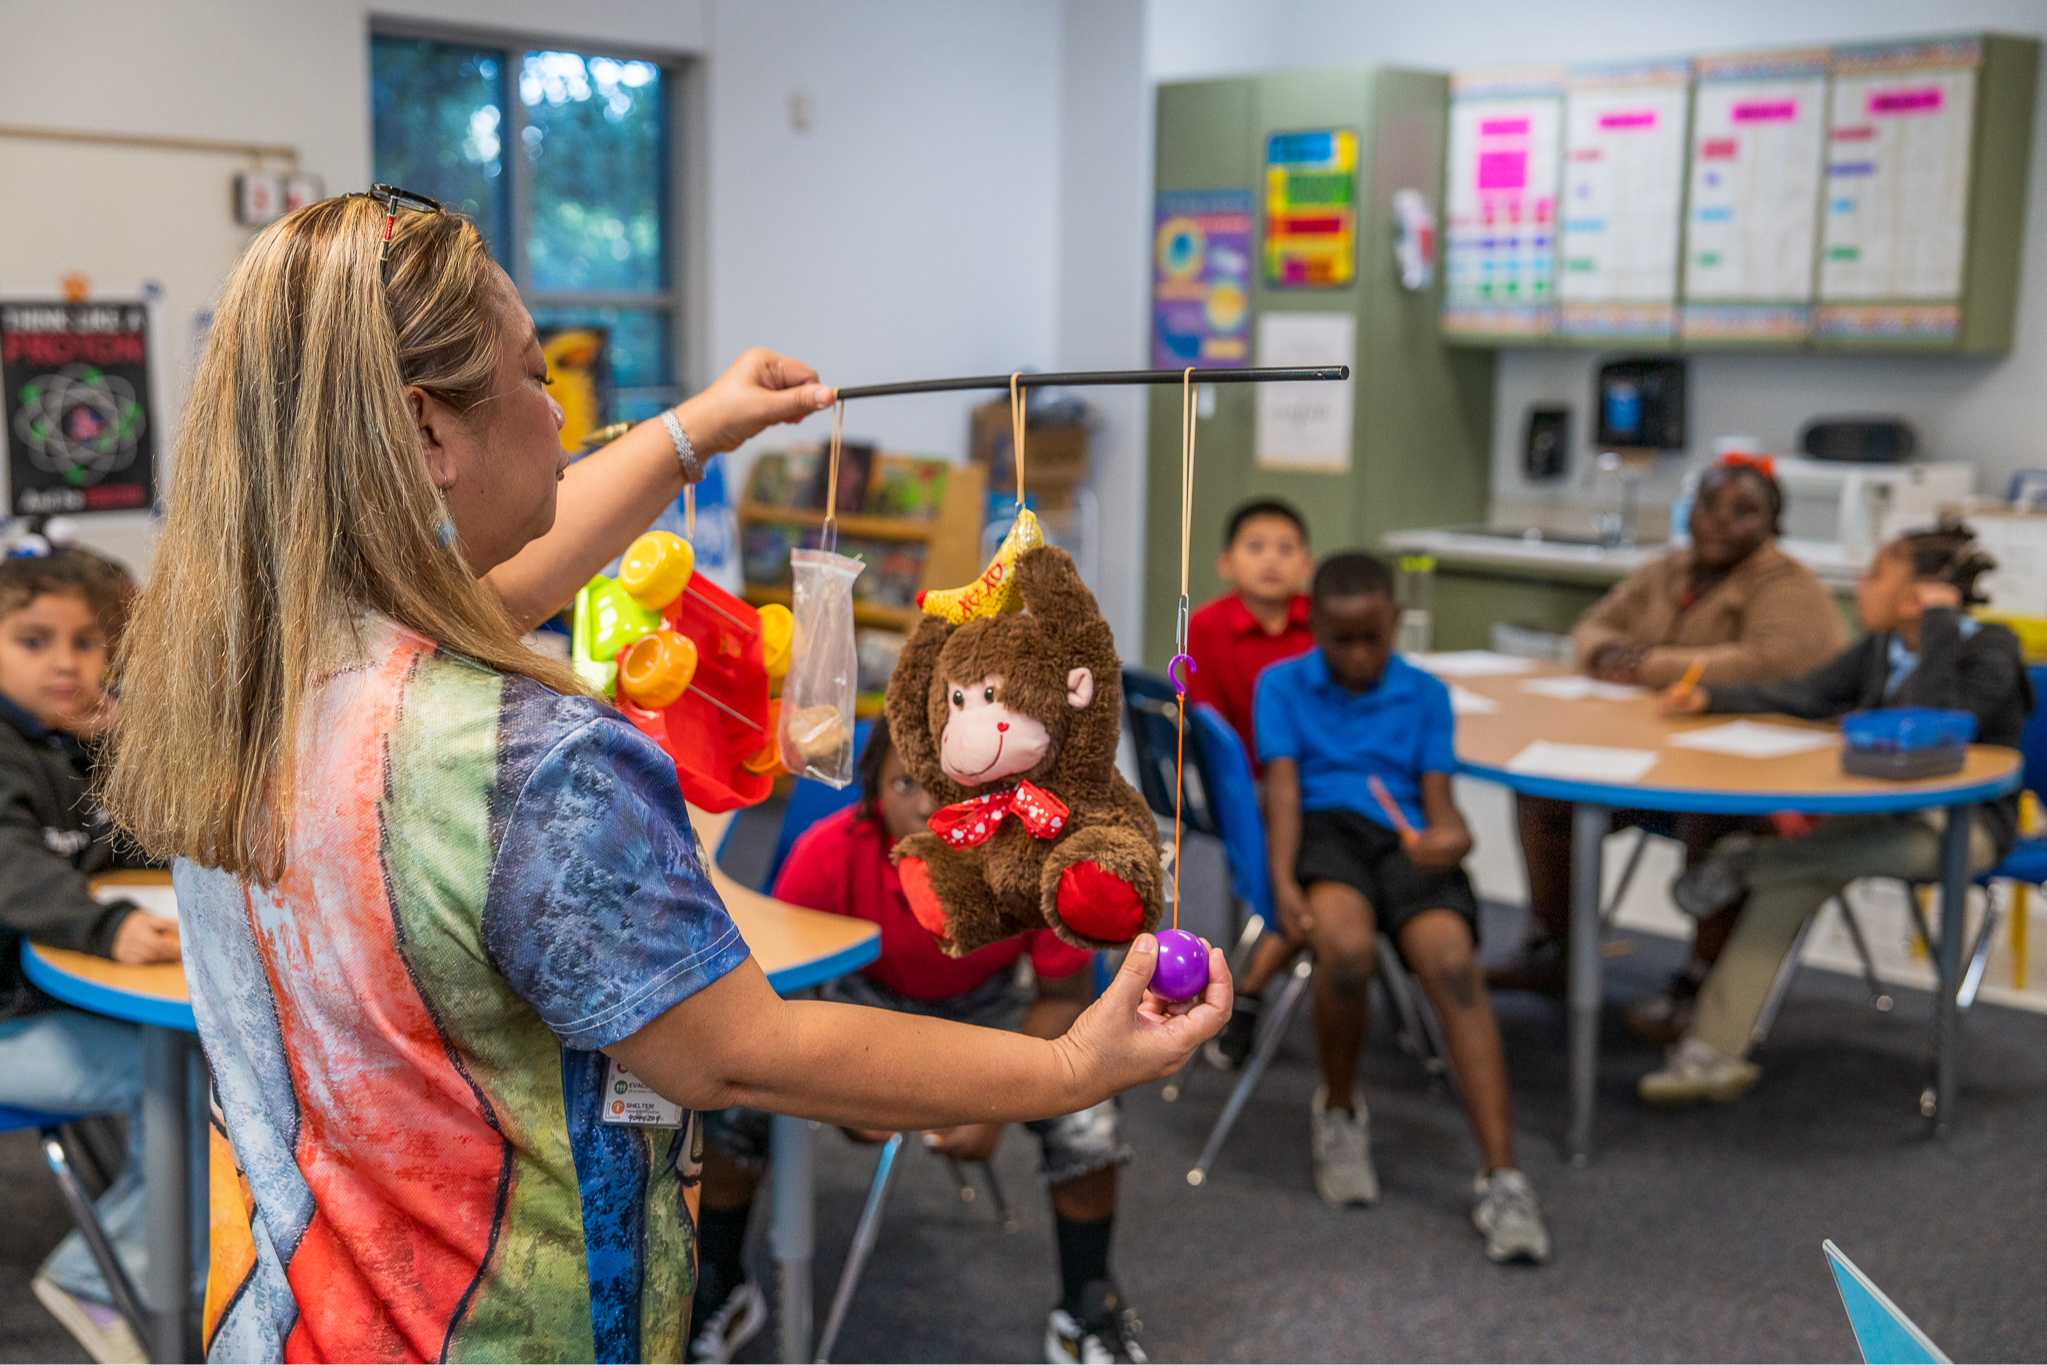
{"points": [[75, 378], [1624, 156], [579, 361], [1897, 189], [1506, 144], [1201, 280], [1311, 208], [1758, 130]]}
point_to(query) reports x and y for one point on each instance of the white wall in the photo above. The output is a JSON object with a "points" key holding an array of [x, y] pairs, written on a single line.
{"points": [[913, 231], [1991, 412]]}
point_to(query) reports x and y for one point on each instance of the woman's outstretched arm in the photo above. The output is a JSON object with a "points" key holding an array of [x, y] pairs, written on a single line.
{"points": [[737, 1042], [610, 497]]}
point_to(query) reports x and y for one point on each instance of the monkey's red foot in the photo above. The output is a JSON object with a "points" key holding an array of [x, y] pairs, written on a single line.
{"points": [[923, 900], [1096, 904]]}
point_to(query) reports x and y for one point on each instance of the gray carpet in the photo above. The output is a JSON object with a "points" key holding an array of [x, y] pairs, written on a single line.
{"points": [[1690, 1237]]}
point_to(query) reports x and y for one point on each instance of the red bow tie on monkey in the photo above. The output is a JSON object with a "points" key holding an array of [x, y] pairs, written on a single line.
{"points": [[965, 824]]}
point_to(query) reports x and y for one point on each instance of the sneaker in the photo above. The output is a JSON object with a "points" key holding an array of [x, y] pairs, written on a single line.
{"points": [[735, 1322], [1228, 1050], [1104, 1332], [1542, 967], [1712, 884], [103, 1333], [1343, 1154], [1509, 1216], [1695, 1071], [1663, 1016]]}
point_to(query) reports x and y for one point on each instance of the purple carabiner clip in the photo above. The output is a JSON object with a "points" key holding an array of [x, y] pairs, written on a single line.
{"points": [[1180, 683]]}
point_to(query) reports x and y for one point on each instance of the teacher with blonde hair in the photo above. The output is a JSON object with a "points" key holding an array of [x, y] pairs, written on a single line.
{"points": [[434, 896]]}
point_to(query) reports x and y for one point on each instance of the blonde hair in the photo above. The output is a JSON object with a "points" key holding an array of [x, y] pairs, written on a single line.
{"points": [[299, 499]]}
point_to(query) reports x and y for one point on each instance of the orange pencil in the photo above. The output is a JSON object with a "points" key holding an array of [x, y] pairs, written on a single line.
{"points": [[1689, 681], [1392, 809]]}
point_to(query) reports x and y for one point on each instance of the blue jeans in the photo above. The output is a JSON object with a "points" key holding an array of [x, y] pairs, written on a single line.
{"points": [[66, 1061]]}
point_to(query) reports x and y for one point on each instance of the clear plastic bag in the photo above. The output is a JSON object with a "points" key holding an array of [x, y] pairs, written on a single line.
{"points": [[824, 668]]}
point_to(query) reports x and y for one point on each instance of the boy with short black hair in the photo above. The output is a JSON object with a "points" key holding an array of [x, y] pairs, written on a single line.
{"points": [[58, 616], [1362, 835], [1261, 620]]}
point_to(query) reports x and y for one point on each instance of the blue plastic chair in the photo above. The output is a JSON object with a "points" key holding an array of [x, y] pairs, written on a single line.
{"points": [[57, 1154], [2027, 861], [811, 801]]}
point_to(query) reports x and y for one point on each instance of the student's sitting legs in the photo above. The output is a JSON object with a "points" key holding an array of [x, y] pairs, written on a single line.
{"points": [[65, 1061], [1788, 880]]}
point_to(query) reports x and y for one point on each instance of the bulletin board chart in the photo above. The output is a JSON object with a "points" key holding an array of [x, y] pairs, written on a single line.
{"points": [[1505, 158], [1758, 135], [1624, 162], [1895, 231], [1311, 208]]}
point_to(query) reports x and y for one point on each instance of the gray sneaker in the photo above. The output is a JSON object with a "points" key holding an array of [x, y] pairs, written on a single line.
{"points": [[1509, 1216], [1695, 1071], [1343, 1154]]}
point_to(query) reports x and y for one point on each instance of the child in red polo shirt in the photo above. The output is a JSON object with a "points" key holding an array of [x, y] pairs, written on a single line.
{"points": [[1261, 620], [841, 866]]}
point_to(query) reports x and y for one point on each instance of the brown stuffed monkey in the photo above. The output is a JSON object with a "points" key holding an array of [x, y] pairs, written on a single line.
{"points": [[1011, 723]]}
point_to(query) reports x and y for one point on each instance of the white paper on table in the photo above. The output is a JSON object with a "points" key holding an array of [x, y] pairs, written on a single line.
{"points": [[1577, 687], [1465, 702], [1755, 739], [157, 900], [1583, 762], [1305, 424], [1469, 663]]}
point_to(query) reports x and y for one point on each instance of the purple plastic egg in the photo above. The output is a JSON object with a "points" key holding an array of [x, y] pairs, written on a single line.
{"points": [[1182, 972]]}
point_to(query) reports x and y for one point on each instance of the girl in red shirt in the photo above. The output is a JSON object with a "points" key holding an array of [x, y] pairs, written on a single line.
{"points": [[841, 866]]}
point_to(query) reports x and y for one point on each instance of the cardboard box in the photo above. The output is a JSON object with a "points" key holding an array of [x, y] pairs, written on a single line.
{"points": [[1055, 458]]}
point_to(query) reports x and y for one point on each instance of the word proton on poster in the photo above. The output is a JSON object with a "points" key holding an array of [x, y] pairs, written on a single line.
{"points": [[1201, 279], [76, 407]]}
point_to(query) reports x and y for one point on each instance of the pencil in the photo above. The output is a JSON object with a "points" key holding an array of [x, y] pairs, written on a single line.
{"points": [[1689, 681], [1392, 809]]}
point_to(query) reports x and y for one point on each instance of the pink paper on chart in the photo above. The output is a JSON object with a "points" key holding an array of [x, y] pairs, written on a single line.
{"points": [[1631, 118], [1924, 100], [1502, 170], [1503, 127], [1766, 111]]}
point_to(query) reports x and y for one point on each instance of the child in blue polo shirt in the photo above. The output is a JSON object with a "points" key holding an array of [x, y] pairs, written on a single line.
{"points": [[1346, 731]]}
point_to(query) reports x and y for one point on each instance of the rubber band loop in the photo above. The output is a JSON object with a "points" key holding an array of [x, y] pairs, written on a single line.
{"points": [[829, 538], [1019, 400]]}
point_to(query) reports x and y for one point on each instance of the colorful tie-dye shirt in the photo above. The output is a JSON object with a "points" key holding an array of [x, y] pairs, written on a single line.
{"points": [[485, 882]]}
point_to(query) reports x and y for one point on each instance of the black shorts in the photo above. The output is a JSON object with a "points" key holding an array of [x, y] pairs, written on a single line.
{"points": [[1343, 846]]}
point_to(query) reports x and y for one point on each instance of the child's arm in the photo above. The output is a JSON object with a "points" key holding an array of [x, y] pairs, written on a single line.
{"points": [[1985, 682], [1283, 845], [46, 899], [1833, 689], [1446, 841], [737, 1042]]}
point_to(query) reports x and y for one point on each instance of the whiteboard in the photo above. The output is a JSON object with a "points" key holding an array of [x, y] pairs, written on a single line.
{"points": [[1897, 179], [1505, 161], [1624, 157], [1753, 215]]}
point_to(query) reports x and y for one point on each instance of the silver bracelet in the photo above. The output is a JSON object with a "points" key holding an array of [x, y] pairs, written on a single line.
{"points": [[685, 453]]}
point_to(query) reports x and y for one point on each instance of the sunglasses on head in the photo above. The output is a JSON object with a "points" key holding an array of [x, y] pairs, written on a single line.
{"points": [[394, 199]]}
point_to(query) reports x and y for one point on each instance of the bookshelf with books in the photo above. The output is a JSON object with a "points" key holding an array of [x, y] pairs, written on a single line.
{"points": [[915, 521]]}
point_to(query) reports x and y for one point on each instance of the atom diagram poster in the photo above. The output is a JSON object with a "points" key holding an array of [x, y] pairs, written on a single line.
{"points": [[75, 383]]}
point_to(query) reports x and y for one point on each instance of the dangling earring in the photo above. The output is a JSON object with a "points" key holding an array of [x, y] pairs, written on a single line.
{"points": [[445, 527]]}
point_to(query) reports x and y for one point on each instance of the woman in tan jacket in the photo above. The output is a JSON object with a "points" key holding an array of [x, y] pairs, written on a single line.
{"points": [[1753, 614]]}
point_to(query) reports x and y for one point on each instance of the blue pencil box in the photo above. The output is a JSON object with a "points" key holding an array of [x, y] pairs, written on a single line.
{"points": [[1905, 742]]}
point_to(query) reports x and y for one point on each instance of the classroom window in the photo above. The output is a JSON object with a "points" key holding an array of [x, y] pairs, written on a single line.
{"points": [[562, 159]]}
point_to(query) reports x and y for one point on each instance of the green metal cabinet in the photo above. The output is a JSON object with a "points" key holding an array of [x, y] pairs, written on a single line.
{"points": [[1421, 410]]}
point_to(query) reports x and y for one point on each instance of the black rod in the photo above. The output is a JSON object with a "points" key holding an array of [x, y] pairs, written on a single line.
{"points": [[1087, 378]]}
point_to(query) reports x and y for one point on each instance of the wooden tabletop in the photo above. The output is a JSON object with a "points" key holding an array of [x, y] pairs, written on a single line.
{"points": [[1691, 779], [796, 948]]}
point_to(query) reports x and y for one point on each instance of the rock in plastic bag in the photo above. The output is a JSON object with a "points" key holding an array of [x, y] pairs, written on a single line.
{"points": [[824, 669]]}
